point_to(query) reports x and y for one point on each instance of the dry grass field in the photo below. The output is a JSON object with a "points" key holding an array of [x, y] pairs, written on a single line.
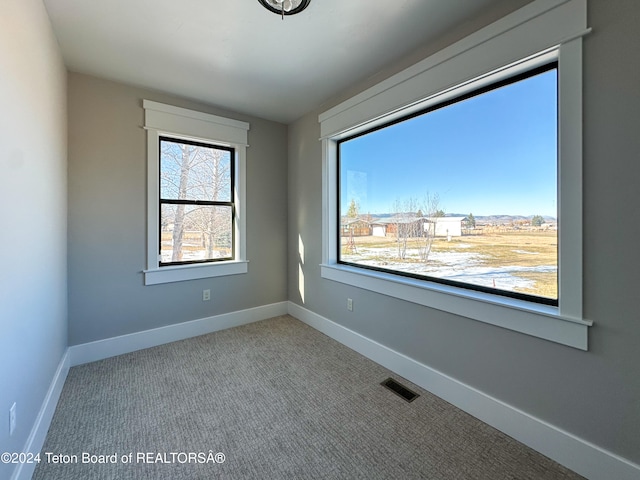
{"points": [[530, 256], [193, 247]]}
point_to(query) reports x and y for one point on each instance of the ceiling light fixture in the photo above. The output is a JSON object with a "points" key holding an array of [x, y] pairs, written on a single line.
{"points": [[285, 7]]}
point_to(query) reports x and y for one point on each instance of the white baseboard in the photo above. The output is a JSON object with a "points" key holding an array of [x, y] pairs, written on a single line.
{"points": [[110, 347], [35, 442], [581, 456], [101, 349]]}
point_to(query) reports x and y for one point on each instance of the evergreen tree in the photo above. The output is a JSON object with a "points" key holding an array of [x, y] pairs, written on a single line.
{"points": [[537, 220], [471, 221], [352, 212]]}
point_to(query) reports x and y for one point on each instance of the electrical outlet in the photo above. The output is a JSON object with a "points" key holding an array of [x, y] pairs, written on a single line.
{"points": [[12, 418], [349, 304], [206, 295]]}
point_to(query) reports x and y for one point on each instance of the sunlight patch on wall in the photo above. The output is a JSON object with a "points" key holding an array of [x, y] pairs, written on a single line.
{"points": [[300, 270]]}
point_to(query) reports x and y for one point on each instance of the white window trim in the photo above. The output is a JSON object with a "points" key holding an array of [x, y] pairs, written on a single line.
{"points": [[181, 123], [542, 30]]}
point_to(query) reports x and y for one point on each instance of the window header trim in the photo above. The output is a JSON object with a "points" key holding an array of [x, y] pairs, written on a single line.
{"points": [[196, 125], [512, 39]]}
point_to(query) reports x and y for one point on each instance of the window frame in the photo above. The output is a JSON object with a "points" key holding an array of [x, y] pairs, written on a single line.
{"points": [[212, 203], [182, 124], [541, 32], [502, 81]]}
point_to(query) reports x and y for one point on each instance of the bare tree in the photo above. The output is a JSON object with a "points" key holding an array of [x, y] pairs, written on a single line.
{"points": [[415, 221], [177, 159], [406, 224], [431, 205], [212, 177], [193, 172]]}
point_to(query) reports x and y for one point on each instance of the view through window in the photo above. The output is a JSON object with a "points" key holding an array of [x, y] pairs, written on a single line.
{"points": [[196, 202], [464, 193]]}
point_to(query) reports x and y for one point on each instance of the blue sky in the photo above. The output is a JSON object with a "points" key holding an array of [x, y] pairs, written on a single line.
{"points": [[493, 154]]}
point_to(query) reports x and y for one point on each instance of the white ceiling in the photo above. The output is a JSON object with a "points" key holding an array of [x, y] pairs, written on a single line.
{"points": [[237, 55]]}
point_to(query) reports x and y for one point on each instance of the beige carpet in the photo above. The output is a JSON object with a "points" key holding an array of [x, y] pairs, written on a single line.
{"points": [[279, 400]]}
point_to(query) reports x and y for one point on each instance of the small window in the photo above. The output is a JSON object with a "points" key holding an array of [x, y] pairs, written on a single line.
{"points": [[463, 193], [196, 198], [196, 202]]}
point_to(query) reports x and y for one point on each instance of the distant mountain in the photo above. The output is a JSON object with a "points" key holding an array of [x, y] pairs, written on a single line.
{"points": [[501, 219], [489, 219]]}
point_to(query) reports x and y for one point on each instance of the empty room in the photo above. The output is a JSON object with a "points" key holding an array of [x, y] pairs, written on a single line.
{"points": [[339, 239]]}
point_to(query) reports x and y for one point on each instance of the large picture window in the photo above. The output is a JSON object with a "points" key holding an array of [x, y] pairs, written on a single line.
{"points": [[463, 193], [456, 183]]}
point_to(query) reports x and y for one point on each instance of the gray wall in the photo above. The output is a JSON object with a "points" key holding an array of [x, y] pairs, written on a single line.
{"points": [[33, 184], [107, 218], [594, 395]]}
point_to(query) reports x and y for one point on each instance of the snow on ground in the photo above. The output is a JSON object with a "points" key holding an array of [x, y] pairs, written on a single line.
{"points": [[463, 267]]}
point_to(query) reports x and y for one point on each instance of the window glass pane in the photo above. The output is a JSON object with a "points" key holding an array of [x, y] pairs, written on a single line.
{"points": [[464, 194], [191, 233], [194, 172]]}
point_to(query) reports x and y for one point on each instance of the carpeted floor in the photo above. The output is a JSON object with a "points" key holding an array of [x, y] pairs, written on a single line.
{"points": [[279, 400]]}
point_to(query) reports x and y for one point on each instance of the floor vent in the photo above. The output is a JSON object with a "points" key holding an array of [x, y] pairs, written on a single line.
{"points": [[400, 390]]}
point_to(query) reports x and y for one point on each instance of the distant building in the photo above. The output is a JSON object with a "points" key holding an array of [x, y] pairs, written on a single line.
{"points": [[407, 225], [355, 227], [412, 226], [445, 226]]}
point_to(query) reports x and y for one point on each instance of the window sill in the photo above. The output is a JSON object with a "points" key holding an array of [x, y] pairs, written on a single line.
{"points": [[540, 321], [181, 273]]}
